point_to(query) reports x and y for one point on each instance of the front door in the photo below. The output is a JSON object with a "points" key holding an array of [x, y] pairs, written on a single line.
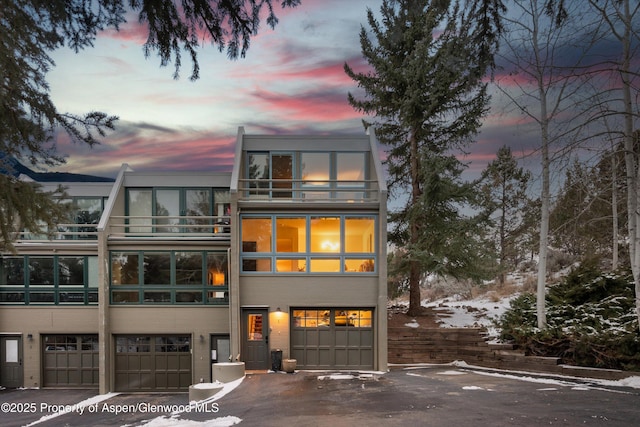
{"points": [[11, 362], [255, 338]]}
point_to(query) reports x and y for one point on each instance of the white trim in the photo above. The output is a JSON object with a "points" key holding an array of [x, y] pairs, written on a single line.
{"points": [[108, 207]]}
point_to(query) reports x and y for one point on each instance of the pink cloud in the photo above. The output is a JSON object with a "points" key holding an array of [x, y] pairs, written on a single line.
{"points": [[148, 147], [131, 31], [331, 72], [318, 106]]}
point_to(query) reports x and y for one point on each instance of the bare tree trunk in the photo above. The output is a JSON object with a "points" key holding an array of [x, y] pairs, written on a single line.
{"points": [[614, 207], [545, 197], [541, 312], [631, 157]]}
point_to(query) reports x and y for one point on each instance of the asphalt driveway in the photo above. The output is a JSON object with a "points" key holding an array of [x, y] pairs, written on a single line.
{"points": [[429, 396]]}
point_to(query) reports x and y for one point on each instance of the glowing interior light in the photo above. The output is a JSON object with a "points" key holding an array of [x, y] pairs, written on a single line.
{"points": [[330, 246]]}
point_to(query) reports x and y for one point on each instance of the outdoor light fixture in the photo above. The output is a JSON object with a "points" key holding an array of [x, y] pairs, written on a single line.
{"points": [[201, 338], [278, 310], [30, 337]]}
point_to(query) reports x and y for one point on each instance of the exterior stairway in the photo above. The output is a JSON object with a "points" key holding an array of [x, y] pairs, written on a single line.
{"points": [[444, 345]]}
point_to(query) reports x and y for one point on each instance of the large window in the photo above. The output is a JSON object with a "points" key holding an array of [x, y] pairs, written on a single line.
{"points": [[85, 212], [315, 171], [316, 175], [88, 210], [308, 244], [58, 279], [169, 277], [178, 210]]}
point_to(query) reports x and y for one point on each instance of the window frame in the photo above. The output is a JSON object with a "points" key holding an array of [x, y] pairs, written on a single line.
{"points": [[333, 189], [183, 223], [51, 294], [308, 256], [170, 293]]}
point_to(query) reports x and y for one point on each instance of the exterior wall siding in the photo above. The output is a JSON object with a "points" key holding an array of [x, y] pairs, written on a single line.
{"points": [[193, 321], [39, 321]]}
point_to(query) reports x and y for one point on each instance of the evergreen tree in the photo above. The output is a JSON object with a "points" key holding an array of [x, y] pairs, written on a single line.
{"points": [[581, 218], [505, 190], [31, 29], [426, 95]]}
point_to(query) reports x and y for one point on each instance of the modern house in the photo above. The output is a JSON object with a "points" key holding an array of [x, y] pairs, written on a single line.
{"points": [[160, 274]]}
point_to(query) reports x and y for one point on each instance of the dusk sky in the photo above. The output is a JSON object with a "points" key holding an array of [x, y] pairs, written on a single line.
{"points": [[291, 81]]}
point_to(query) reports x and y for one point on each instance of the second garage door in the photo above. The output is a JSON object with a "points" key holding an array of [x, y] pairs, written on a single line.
{"points": [[332, 338], [152, 363]]}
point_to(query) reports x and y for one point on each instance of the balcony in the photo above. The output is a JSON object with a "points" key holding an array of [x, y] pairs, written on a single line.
{"points": [[63, 232], [308, 191], [169, 227], [139, 227]]}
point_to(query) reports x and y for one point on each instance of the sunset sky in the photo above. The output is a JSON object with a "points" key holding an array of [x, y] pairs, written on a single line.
{"points": [[291, 81]]}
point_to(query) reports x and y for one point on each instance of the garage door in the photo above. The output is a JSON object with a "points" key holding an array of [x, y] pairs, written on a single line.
{"points": [[332, 338], [152, 362], [70, 360]]}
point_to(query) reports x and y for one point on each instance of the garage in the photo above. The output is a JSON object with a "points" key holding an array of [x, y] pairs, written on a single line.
{"points": [[332, 338], [152, 362], [70, 360]]}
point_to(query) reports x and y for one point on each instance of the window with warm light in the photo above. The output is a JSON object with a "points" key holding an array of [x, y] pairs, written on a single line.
{"points": [[332, 318], [309, 244], [256, 234], [359, 234], [169, 277], [291, 234], [254, 327], [325, 234]]}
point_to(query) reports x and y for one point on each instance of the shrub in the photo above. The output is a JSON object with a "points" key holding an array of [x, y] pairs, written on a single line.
{"points": [[590, 321]]}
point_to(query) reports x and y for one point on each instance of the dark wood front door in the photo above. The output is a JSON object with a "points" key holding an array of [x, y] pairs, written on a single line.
{"points": [[255, 338], [11, 362]]}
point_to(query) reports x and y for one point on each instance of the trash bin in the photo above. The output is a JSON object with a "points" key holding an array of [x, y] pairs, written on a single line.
{"points": [[276, 360]]}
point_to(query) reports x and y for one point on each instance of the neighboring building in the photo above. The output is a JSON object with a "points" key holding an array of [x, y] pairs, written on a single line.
{"points": [[162, 274]]}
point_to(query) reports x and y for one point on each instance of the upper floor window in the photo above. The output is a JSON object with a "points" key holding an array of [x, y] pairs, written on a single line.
{"points": [[85, 212], [308, 243], [178, 210], [88, 210], [307, 175]]}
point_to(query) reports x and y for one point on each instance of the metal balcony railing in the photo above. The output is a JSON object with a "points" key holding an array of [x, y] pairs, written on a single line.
{"points": [[157, 226], [160, 226], [72, 232], [305, 190]]}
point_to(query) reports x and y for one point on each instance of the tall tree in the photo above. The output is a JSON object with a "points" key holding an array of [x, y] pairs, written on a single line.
{"points": [[505, 187], [31, 29], [541, 58], [426, 94], [587, 208], [622, 21]]}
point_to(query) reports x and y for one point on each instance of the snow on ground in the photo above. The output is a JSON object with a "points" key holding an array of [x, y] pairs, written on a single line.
{"points": [[559, 380], [77, 407], [412, 324], [457, 312], [175, 420]]}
